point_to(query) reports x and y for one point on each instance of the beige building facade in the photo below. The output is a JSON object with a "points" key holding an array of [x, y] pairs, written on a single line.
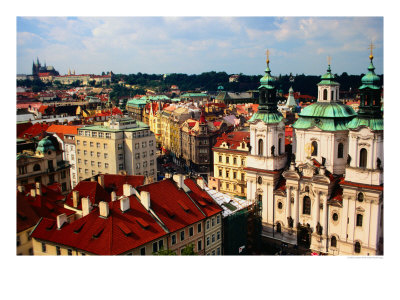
{"points": [[121, 144]]}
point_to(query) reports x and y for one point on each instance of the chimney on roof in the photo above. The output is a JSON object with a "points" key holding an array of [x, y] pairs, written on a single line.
{"points": [[145, 199], [100, 180], [86, 206], [113, 196], [104, 210], [61, 219], [21, 188], [38, 189], [178, 178], [127, 189], [201, 183], [124, 203], [33, 192], [75, 198]]}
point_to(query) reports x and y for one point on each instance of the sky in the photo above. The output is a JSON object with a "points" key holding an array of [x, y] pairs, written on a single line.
{"points": [[192, 45]]}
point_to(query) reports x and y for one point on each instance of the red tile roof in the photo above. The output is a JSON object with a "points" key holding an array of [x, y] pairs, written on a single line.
{"points": [[234, 139], [114, 182], [118, 233], [91, 189], [47, 205], [164, 197], [202, 198], [26, 216], [36, 130], [63, 129], [23, 127]]}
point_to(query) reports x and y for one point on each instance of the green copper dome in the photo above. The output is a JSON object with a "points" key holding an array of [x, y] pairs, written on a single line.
{"points": [[328, 110], [267, 117], [370, 80], [45, 145], [267, 80], [327, 78]]}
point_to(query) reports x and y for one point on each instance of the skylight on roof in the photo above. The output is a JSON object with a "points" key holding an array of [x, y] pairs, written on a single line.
{"points": [[98, 233], [142, 223], [183, 205], [125, 229], [77, 229]]}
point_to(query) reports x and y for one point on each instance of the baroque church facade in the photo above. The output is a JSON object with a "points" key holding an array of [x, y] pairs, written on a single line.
{"points": [[328, 195]]}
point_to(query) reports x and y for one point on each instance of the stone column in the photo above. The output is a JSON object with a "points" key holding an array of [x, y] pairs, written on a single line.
{"points": [[316, 211], [296, 207], [325, 216], [288, 205]]}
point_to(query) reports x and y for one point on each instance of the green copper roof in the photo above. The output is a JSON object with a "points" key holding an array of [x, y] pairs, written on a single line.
{"points": [[326, 116], [327, 78], [194, 95], [136, 102], [328, 110], [45, 145], [323, 124], [374, 124], [268, 118], [370, 80], [267, 80]]}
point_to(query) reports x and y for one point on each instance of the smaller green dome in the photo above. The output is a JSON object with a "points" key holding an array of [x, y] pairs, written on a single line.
{"points": [[267, 80], [327, 78], [45, 145], [370, 80], [220, 87]]}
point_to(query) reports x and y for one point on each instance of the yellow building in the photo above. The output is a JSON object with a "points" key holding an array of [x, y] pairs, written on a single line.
{"points": [[119, 144], [230, 154]]}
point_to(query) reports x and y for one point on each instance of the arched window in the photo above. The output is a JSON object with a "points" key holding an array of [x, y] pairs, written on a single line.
{"points": [[306, 205], [332, 95], [260, 147], [363, 158], [333, 241], [36, 167], [279, 146], [278, 228], [314, 148], [259, 198], [259, 180], [280, 205], [340, 151], [325, 94], [335, 217], [357, 247]]}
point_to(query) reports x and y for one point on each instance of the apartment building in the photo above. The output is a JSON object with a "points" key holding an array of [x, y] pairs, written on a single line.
{"points": [[230, 154], [121, 144]]}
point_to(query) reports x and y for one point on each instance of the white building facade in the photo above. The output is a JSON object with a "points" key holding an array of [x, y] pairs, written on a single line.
{"points": [[330, 197]]}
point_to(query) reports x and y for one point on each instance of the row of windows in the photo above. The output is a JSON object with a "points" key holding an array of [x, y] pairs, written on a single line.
{"points": [[94, 134], [215, 252], [261, 147], [182, 234], [214, 238], [213, 221], [144, 154], [227, 159], [227, 174], [357, 245]]}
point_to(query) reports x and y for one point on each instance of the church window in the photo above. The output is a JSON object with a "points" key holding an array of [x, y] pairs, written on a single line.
{"points": [[36, 167], [340, 150], [279, 146], [220, 159], [363, 158], [306, 205], [278, 228], [325, 94], [259, 199], [314, 148], [259, 180], [260, 147], [360, 197], [332, 95], [333, 241], [359, 219], [335, 217], [357, 247], [280, 205]]}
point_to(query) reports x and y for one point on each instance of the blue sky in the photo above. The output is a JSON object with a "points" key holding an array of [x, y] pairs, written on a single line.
{"points": [[199, 44]]}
